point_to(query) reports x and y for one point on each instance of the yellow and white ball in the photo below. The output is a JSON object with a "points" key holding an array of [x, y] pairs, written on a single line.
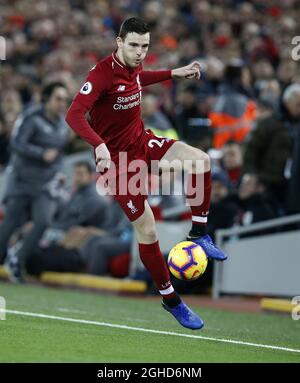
{"points": [[187, 261]]}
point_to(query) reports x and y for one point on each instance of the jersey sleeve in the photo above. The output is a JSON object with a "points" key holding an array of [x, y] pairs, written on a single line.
{"points": [[94, 87], [148, 77], [20, 140]]}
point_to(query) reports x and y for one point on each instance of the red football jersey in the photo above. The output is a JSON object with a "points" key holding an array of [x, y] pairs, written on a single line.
{"points": [[112, 94]]}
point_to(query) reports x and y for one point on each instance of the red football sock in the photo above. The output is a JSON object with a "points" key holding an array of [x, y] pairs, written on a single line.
{"points": [[200, 209], [154, 262]]}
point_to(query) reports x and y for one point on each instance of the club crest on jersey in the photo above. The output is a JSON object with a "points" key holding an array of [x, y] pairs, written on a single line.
{"points": [[86, 88], [131, 206]]}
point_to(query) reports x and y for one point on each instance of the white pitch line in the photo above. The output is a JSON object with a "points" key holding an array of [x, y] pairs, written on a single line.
{"points": [[62, 309], [73, 320]]}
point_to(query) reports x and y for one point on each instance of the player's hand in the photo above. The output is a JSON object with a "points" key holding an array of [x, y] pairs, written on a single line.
{"points": [[103, 159], [50, 155], [189, 71]]}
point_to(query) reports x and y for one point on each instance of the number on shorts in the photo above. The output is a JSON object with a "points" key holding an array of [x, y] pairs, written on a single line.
{"points": [[158, 143]]}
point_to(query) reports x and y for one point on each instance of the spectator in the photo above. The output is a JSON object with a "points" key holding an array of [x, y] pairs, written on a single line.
{"points": [[223, 209], [293, 191], [38, 140], [269, 146], [99, 251], [86, 235], [265, 108], [59, 257], [85, 248], [255, 204], [262, 70], [11, 107], [4, 143], [232, 161], [85, 207], [268, 97], [234, 111], [286, 71], [212, 77], [193, 126], [186, 109], [155, 119]]}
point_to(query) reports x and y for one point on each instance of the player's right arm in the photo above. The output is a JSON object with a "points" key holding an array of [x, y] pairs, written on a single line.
{"points": [[94, 87]]}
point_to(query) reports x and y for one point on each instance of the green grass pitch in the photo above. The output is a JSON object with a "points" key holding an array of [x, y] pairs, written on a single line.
{"points": [[95, 333]]}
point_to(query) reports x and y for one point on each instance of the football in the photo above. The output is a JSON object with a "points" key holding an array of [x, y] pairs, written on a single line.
{"points": [[187, 261]]}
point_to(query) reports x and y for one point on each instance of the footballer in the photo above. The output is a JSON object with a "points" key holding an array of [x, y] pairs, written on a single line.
{"points": [[112, 96]]}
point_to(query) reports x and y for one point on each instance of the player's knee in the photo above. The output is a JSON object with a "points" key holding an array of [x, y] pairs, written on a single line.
{"points": [[151, 235], [146, 233], [146, 230], [148, 237]]}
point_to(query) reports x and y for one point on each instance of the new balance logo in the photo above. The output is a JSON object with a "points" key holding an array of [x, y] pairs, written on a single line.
{"points": [[121, 88], [132, 207]]}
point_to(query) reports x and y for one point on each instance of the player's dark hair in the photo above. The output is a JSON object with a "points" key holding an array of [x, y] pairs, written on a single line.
{"points": [[49, 89], [86, 164], [133, 24]]}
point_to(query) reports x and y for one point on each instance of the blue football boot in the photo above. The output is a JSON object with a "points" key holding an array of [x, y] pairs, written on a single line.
{"points": [[211, 250], [185, 316]]}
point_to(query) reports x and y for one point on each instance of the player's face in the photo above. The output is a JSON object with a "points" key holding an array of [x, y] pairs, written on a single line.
{"points": [[134, 48]]}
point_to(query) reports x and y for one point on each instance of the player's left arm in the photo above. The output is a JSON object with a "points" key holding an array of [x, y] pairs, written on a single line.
{"points": [[148, 77], [189, 71]]}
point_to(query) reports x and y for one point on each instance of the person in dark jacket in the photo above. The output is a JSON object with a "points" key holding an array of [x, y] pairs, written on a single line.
{"points": [[85, 235], [254, 202], [4, 143], [85, 248], [38, 139], [293, 188], [269, 147], [223, 208], [85, 206]]}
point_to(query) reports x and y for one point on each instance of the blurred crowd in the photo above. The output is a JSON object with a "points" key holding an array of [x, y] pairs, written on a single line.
{"points": [[245, 110]]}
